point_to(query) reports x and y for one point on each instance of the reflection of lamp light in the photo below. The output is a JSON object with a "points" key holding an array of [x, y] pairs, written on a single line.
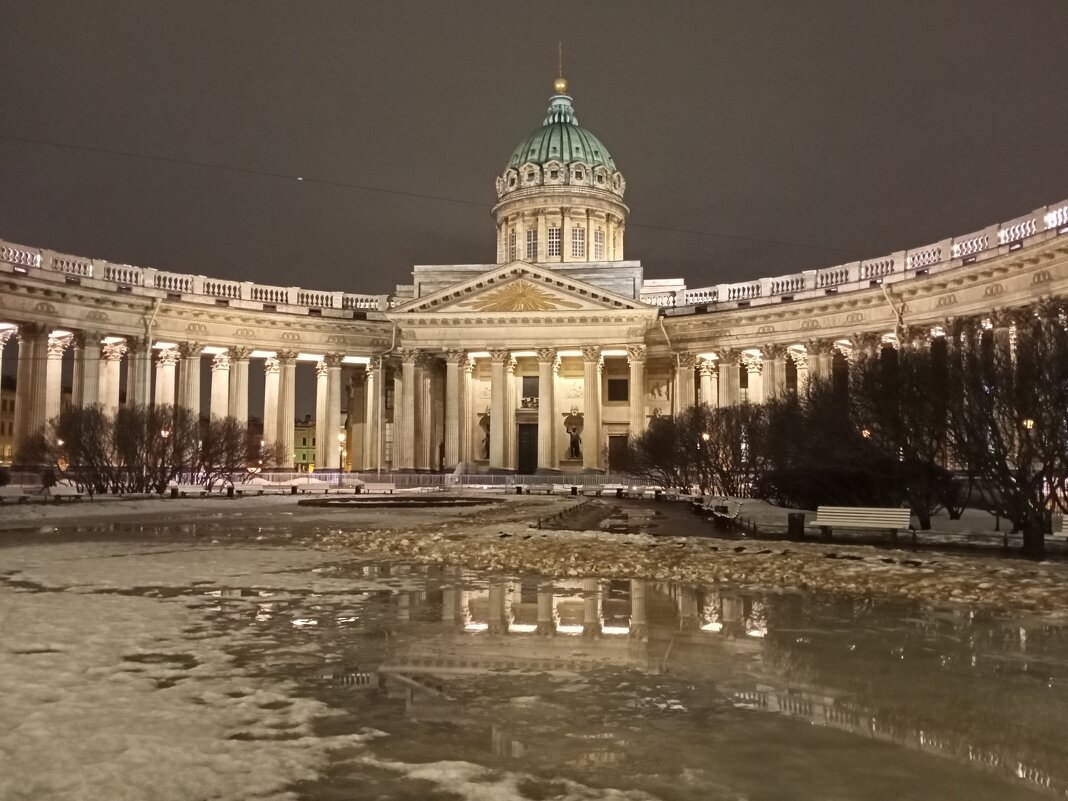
{"points": [[59, 442], [705, 436], [865, 433], [1028, 424], [165, 433]]}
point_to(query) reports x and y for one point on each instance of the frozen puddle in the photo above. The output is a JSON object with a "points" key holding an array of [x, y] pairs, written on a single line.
{"points": [[193, 670]]}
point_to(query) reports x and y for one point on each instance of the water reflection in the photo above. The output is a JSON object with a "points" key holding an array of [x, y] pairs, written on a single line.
{"points": [[490, 655]]}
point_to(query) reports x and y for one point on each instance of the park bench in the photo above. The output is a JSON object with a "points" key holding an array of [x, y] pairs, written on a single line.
{"points": [[17, 494], [891, 520], [614, 489], [565, 489], [62, 492], [380, 487], [189, 490], [725, 513]]}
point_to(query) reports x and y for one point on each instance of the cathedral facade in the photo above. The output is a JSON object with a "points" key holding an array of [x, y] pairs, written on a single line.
{"points": [[546, 361]]}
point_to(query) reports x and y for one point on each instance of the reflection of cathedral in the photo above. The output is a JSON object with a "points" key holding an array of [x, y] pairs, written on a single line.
{"points": [[785, 655]]}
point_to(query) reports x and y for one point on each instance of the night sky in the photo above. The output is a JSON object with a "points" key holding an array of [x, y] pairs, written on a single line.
{"points": [[757, 138]]}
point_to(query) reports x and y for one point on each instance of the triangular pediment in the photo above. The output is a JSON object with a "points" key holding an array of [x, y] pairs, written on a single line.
{"points": [[520, 288]]}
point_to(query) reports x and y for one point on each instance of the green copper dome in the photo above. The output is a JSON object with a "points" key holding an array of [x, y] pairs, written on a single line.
{"points": [[561, 139]]}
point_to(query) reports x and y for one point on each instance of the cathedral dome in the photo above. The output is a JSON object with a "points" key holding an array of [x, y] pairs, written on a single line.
{"points": [[561, 139], [561, 153]]}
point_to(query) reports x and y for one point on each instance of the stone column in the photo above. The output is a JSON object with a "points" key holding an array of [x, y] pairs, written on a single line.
{"points": [[237, 407], [220, 385], [801, 362], [639, 624], [773, 371], [322, 392], [287, 388], [138, 371], [546, 610], [466, 412], [87, 368], [30, 381], [546, 412], [189, 377], [453, 412], [498, 408], [109, 384], [166, 360], [728, 377], [372, 430], [709, 382], [270, 402], [425, 446], [685, 396], [636, 414], [591, 607], [404, 439], [333, 411], [510, 438], [753, 366], [591, 408], [54, 375]]}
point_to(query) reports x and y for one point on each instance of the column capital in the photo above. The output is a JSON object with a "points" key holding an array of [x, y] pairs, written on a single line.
{"points": [[5, 335], [591, 353], [728, 356], [285, 356], [797, 357], [687, 360], [239, 354], [546, 355], [636, 353], [334, 359], [270, 364], [31, 330], [708, 367], [753, 362], [220, 361], [500, 355], [321, 368], [190, 350], [138, 344], [819, 347], [773, 353], [455, 356], [113, 351], [167, 357], [85, 338], [58, 344], [409, 355], [374, 363]]}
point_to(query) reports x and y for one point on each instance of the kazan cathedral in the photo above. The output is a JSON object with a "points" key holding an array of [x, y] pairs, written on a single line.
{"points": [[544, 362]]}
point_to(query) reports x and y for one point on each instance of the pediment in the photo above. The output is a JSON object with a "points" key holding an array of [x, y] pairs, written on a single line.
{"points": [[520, 288]]}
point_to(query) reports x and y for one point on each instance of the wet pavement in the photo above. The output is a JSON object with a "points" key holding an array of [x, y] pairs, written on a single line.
{"points": [[322, 676]]}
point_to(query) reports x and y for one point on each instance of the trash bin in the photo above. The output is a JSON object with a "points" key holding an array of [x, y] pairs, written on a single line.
{"points": [[619, 492], [574, 489], [518, 489], [658, 495], [293, 490], [356, 490], [230, 491], [795, 525], [174, 492]]}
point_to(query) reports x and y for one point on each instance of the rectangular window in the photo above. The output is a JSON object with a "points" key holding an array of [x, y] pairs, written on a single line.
{"points": [[554, 242], [532, 245], [511, 246], [618, 389], [598, 245], [530, 386], [578, 243]]}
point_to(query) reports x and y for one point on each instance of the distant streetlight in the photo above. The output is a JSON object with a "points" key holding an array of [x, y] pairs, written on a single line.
{"points": [[866, 434], [59, 442], [1028, 423], [705, 436]]}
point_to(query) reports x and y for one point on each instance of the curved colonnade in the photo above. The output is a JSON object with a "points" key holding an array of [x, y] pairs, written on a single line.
{"points": [[423, 376]]}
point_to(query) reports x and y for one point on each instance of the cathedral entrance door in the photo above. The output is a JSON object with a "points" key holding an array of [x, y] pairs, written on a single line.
{"points": [[527, 449], [617, 453]]}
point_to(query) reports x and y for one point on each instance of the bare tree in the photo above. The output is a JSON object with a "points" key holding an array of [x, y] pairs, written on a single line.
{"points": [[1009, 420]]}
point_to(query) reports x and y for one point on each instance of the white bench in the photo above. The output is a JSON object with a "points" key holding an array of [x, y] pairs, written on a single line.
{"points": [[565, 489], [891, 520], [725, 512], [379, 488], [62, 492], [18, 494], [188, 490]]}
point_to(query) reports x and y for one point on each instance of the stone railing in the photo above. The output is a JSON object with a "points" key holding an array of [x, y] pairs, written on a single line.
{"points": [[934, 258], [182, 286]]}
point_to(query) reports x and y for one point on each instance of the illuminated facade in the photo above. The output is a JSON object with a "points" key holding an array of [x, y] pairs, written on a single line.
{"points": [[545, 361]]}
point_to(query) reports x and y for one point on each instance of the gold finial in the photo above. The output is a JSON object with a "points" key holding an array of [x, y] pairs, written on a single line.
{"points": [[560, 84]]}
